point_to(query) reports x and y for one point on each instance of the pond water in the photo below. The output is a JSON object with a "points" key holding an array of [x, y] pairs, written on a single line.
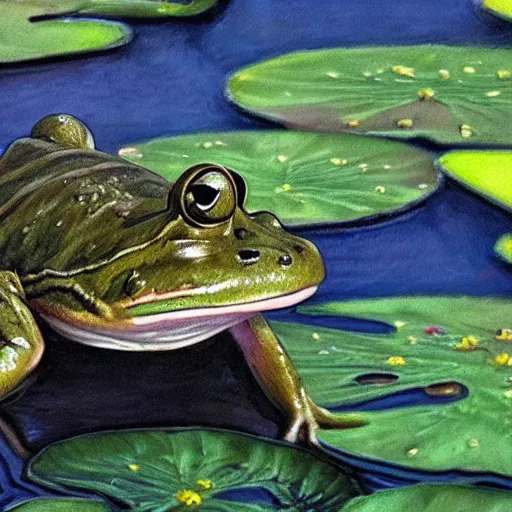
{"points": [[170, 80]]}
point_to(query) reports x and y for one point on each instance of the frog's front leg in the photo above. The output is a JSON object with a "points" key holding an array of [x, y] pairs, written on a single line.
{"points": [[274, 370], [21, 344]]}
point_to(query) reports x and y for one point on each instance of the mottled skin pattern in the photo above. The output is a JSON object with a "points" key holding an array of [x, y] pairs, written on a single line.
{"points": [[99, 246]]}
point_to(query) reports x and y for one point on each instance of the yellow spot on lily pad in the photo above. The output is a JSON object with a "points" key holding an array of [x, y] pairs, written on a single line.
{"points": [[353, 123], [466, 131], [508, 394], [316, 336], [207, 145], [332, 74], [492, 94], [338, 161], [399, 323], [286, 187], [426, 94], [189, 498], [444, 74], [468, 343], [405, 123], [403, 71], [412, 452], [473, 443], [504, 335], [133, 467], [206, 484], [469, 70], [502, 359], [380, 189], [282, 158], [396, 361], [412, 340], [502, 74]]}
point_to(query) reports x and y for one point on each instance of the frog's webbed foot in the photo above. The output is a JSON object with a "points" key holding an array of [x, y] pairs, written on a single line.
{"points": [[310, 417], [21, 344]]}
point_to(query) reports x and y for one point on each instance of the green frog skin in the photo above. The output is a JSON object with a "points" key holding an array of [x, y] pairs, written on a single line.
{"points": [[112, 255]]}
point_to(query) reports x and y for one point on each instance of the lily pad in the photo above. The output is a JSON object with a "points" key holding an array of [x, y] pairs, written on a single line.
{"points": [[24, 40], [433, 498], [145, 8], [443, 93], [60, 505], [503, 247], [453, 351], [158, 470], [304, 178], [500, 8], [487, 173]]}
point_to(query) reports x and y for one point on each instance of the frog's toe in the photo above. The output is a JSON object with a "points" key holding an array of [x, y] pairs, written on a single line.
{"points": [[64, 129], [21, 344]]}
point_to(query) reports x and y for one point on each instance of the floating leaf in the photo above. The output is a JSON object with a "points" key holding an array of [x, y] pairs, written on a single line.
{"points": [[156, 470], [500, 8], [487, 173], [23, 39], [303, 177], [145, 8], [503, 247], [433, 498], [445, 348], [60, 505], [444, 93]]}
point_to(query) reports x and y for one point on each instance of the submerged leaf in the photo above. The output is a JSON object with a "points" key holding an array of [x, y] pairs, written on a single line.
{"points": [[452, 352], [443, 93], [304, 178], [487, 173], [433, 498], [157, 470]]}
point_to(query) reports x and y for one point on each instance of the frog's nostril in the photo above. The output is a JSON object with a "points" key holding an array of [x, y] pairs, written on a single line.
{"points": [[285, 260], [299, 248], [248, 256]]}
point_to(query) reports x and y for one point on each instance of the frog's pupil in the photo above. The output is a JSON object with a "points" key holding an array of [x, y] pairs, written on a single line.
{"points": [[204, 196]]}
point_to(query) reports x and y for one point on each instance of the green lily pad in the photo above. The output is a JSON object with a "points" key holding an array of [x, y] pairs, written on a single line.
{"points": [[443, 93], [487, 173], [471, 364], [157, 470], [500, 8], [304, 178], [145, 8], [61, 505], [503, 247], [433, 498], [25, 40]]}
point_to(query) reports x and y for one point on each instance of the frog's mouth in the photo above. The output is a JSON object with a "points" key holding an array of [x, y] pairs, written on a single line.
{"points": [[171, 330]]}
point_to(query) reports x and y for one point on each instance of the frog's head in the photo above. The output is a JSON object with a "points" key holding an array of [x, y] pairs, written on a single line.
{"points": [[211, 266]]}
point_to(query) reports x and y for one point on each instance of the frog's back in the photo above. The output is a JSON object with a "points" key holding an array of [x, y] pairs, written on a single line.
{"points": [[63, 204]]}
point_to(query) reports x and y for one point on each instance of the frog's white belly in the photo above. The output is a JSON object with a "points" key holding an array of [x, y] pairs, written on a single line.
{"points": [[175, 329], [164, 337]]}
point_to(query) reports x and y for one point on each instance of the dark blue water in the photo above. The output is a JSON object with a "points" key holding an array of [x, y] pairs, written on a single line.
{"points": [[170, 80]]}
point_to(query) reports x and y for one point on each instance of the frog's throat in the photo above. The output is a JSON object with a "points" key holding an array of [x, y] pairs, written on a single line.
{"points": [[172, 330]]}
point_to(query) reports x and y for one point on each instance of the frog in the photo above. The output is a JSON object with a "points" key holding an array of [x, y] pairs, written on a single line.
{"points": [[110, 254]]}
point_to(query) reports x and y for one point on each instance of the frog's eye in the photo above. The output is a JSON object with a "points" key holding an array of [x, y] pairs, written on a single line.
{"points": [[210, 197]]}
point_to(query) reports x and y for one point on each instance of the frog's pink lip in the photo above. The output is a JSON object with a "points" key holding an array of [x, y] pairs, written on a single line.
{"points": [[283, 301]]}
